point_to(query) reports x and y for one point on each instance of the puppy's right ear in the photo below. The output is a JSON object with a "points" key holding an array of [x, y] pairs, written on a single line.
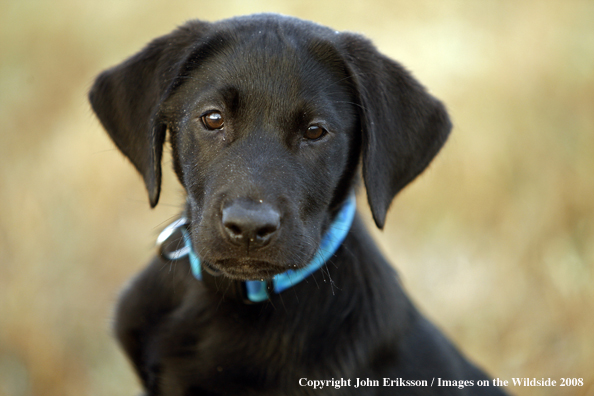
{"points": [[127, 99]]}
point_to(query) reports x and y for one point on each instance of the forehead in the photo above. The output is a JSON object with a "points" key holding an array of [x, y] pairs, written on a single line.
{"points": [[270, 66]]}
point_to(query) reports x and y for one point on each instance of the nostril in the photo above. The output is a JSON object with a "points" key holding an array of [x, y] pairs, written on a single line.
{"points": [[266, 231], [233, 229]]}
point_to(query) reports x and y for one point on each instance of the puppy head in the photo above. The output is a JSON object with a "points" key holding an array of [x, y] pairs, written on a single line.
{"points": [[268, 117]]}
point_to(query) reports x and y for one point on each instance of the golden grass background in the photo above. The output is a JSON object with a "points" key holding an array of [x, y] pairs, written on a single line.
{"points": [[495, 242]]}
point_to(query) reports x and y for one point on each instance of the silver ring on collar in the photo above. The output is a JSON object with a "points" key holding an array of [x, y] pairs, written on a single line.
{"points": [[165, 234]]}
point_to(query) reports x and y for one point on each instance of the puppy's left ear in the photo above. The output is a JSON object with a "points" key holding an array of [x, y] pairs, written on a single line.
{"points": [[127, 100], [403, 126]]}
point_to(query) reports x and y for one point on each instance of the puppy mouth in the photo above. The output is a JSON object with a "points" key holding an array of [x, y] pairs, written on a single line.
{"points": [[243, 269]]}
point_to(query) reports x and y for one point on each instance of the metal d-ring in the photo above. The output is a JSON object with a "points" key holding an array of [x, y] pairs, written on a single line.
{"points": [[165, 234]]}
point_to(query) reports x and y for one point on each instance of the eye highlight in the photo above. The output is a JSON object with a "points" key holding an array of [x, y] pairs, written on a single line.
{"points": [[213, 120], [314, 132]]}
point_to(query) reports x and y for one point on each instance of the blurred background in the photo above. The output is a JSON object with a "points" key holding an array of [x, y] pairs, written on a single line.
{"points": [[494, 242]]}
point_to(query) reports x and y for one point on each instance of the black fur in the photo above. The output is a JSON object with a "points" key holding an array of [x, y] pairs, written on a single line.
{"points": [[271, 78]]}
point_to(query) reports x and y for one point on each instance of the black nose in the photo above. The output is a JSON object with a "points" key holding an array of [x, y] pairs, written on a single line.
{"points": [[250, 223]]}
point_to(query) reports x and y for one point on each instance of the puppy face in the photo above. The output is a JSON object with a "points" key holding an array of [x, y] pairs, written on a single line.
{"points": [[268, 118], [264, 127]]}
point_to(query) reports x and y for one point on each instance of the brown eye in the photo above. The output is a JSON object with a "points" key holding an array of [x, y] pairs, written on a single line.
{"points": [[314, 132], [213, 120]]}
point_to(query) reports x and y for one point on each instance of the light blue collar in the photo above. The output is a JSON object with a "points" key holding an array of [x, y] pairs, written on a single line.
{"points": [[257, 290]]}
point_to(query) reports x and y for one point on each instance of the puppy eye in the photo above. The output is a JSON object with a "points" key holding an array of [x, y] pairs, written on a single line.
{"points": [[314, 132], [213, 120]]}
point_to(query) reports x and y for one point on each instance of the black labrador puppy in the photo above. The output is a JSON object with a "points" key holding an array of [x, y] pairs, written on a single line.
{"points": [[278, 288]]}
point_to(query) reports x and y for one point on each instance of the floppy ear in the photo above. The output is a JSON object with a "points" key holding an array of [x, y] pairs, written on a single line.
{"points": [[127, 99], [403, 126]]}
